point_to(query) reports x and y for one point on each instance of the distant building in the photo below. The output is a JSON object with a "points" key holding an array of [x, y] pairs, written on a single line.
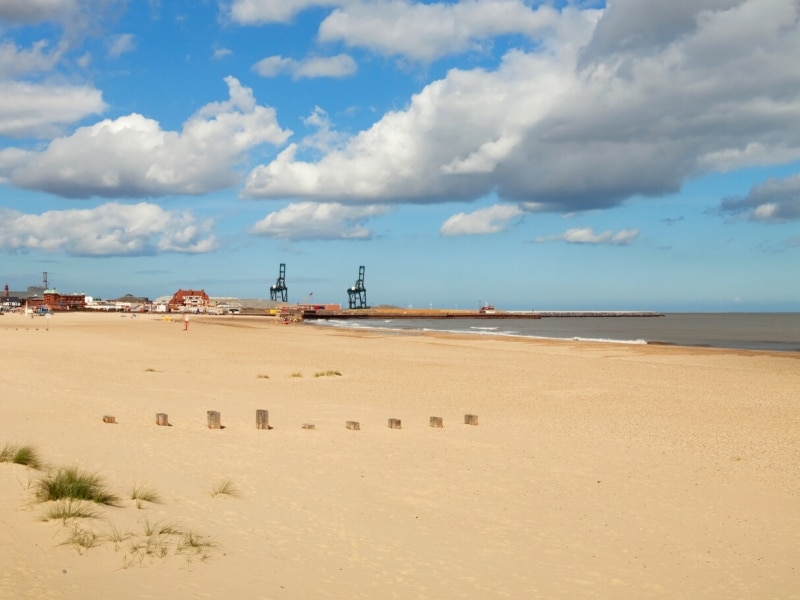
{"points": [[52, 300], [11, 302], [188, 301], [131, 303]]}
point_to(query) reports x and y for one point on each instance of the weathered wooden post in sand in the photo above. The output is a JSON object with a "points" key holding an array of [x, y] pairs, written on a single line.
{"points": [[162, 419], [109, 419], [262, 419], [470, 419], [214, 419], [355, 425], [395, 424], [437, 422]]}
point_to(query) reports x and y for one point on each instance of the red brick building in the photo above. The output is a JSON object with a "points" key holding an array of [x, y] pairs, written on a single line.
{"points": [[52, 300], [188, 301]]}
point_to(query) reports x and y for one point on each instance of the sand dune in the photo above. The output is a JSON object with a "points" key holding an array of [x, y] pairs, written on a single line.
{"points": [[597, 471]]}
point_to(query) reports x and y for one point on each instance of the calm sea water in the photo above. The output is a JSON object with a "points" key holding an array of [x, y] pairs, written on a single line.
{"points": [[754, 331]]}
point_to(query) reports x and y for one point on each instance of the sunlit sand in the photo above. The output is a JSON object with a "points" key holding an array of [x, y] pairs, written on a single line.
{"points": [[595, 471]]}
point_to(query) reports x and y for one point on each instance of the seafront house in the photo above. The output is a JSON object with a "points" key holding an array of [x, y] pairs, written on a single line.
{"points": [[189, 301]]}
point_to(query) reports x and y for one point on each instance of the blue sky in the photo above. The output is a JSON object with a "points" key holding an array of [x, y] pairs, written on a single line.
{"points": [[535, 155]]}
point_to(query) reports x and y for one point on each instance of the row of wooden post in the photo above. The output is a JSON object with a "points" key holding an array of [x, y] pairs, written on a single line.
{"points": [[262, 421]]}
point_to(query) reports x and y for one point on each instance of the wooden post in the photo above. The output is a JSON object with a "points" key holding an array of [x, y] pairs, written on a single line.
{"points": [[162, 419], [262, 419], [395, 424], [437, 422], [470, 419], [355, 425], [214, 419], [109, 419], [308, 426]]}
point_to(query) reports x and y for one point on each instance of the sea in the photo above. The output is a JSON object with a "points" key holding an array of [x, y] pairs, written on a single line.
{"points": [[746, 331]]}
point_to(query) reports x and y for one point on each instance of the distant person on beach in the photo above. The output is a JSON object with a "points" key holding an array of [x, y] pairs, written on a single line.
{"points": [[186, 321]]}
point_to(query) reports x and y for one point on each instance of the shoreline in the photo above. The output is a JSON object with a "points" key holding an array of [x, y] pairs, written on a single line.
{"points": [[477, 332]]}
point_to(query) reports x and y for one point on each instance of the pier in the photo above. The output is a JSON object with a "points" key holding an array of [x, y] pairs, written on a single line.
{"points": [[399, 313]]}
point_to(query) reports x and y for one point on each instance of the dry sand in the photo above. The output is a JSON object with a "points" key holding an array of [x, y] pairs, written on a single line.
{"points": [[597, 471]]}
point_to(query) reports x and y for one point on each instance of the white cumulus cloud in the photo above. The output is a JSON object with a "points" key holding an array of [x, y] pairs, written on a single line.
{"points": [[341, 65], [587, 235], [42, 109], [111, 229], [492, 219], [132, 156], [425, 32], [318, 221], [252, 12], [16, 61]]}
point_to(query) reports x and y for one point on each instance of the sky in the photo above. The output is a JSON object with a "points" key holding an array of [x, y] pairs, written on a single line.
{"points": [[554, 155]]}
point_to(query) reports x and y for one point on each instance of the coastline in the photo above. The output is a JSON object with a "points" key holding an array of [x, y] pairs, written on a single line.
{"points": [[597, 470]]}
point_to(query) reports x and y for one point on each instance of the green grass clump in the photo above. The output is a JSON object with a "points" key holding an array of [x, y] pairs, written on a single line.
{"points": [[71, 482], [142, 493], [27, 455], [67, 509], [297, 374], [262, 376], [21, 455], [328, 373]]}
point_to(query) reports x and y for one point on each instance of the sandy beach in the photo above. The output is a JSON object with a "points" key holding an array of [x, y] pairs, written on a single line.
{"points": [[596, 470]]}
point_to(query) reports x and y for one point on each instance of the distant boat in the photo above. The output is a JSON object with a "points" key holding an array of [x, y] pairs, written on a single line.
{"points": [[487, 309]]}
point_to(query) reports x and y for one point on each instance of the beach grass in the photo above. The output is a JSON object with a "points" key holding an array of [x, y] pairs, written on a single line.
{"points": [[142, 493], [226, 487], [67, 509], [81, 539], [21, 455], [297, 374], [116, 536], [72, 482], [192, 542], [159, 540], [328, 373]]}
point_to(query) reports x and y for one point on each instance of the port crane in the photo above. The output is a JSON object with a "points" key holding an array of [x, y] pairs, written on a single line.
{"points": [[279, 291], [357, 294]]}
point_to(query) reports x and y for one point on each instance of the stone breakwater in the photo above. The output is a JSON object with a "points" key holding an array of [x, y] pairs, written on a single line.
{"points": [[463, 314]]}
